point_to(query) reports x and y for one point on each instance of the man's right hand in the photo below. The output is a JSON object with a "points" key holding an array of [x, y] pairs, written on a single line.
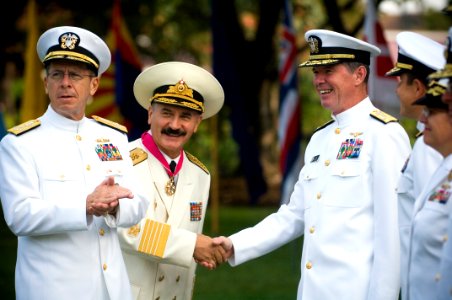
{"points": [[223, 250], [207, 253]]}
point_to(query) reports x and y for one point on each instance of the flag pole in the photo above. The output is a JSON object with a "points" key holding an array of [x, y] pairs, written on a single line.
{"points": [[34, 101]]}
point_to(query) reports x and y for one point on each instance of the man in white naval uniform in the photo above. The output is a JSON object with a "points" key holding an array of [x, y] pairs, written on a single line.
{"points": [[66, 181], [345, 201], [160, 252], [428, 230], [418, 56]]}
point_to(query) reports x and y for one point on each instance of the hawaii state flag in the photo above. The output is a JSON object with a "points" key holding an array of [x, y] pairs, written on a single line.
{"points": [[289, 129]]}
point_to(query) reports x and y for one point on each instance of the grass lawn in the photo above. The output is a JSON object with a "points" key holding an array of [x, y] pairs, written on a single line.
{"points": [[273, 276], [8, 248]]}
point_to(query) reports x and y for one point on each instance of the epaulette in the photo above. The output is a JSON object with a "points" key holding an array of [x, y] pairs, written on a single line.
{"points": [[419, 133], [138, 155], [382, 116], [324, 125], [24, 127], [111, 124], [196, 161]]}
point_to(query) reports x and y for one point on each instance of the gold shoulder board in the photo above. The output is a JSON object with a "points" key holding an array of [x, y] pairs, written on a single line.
{"points": [[111, 124], [24, 127], [382, 116], [324, 125], [196, 161], [138, 155]]}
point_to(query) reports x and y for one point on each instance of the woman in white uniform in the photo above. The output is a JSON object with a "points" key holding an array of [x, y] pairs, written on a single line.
{"points": [[428, 232]]}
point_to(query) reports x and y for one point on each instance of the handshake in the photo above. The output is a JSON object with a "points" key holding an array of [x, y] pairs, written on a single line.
{"points": [[212, 252]]}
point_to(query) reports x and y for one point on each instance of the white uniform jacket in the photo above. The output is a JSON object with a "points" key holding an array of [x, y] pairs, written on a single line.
{"points": [[444, 288], [345, 204], [46, 174], [423, 161], [428, 233], [159, 251]]}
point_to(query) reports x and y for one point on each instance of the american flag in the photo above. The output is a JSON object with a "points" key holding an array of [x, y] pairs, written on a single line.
{"points": [[289, 129]]}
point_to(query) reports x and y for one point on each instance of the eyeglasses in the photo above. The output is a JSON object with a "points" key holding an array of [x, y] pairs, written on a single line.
{"points": [[428, 111], [73, 76]]}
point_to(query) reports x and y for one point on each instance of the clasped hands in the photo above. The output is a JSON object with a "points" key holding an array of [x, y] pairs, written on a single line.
{"points": [[212, 252], [105, 198], [209, 252]]}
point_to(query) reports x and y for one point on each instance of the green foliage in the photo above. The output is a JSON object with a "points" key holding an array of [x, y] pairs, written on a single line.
{"points": [[202, 144], [8, 246], [410, 127], [177, 29], [434, 20]]}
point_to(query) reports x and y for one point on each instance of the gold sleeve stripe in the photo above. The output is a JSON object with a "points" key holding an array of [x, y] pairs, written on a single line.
{"points": [[154, 238]]}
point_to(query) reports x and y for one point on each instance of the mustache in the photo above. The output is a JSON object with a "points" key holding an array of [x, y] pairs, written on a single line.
{"points": [[173, 132]]}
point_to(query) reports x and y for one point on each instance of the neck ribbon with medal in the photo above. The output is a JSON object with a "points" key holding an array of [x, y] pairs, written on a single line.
{"points": [[148, 142]]}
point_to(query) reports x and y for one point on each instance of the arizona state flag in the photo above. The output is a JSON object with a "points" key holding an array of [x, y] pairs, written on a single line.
{"points": [[115, 100]]}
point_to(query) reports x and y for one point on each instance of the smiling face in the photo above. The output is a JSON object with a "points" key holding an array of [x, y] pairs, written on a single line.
{"points": [[69, 86], [340, 87], [172, 126]]}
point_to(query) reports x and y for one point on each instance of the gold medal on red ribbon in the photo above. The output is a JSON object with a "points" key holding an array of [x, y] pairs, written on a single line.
{"points": [[170, 187]]}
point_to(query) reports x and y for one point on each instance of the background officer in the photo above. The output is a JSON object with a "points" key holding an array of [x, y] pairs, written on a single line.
{"points": [[418, 56]]}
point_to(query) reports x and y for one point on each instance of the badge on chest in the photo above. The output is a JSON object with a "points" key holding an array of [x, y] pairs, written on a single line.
{"points": [[108, 152], [350, 148], [443, 191], [195, 211]]}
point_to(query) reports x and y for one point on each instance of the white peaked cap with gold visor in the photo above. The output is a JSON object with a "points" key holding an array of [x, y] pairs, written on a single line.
{"points": [[180, 84]]}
